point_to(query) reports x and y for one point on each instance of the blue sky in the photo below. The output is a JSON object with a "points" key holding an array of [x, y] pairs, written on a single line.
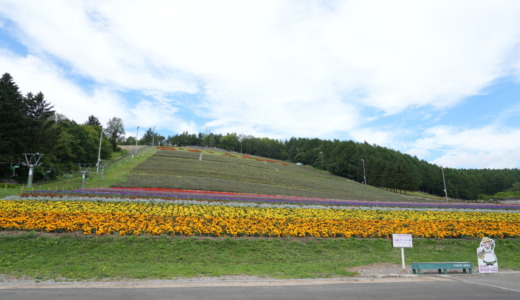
{"points": [[436, 79]]}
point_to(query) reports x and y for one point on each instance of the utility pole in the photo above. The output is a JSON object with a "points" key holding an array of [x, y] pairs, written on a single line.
{"points": [[136, 135], [153, 137], [99, 152], [444, 181], [364, 172], [32, 160]]}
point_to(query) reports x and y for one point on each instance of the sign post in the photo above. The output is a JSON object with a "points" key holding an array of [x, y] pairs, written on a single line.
{"points": [[402, 241]]}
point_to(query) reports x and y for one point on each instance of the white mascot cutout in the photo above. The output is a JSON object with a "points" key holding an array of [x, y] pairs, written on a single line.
{"points": [[487, 260]]}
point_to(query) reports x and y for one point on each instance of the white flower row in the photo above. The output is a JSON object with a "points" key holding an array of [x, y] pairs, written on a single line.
{"points": [[242, 204]]}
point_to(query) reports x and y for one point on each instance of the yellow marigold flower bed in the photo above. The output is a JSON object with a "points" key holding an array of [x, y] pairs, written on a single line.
{"points": [[135, 218]]}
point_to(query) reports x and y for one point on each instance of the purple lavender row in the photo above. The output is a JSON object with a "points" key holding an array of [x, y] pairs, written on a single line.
{"points": [[272, 199], [204, 196]]}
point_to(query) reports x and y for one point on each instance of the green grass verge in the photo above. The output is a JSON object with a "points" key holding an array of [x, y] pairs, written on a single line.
{"points": [[11, 190], [116, 172], [70, 257]]}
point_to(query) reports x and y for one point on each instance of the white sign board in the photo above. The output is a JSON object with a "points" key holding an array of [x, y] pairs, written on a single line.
{"points": [[402, 240], [487, 260]]}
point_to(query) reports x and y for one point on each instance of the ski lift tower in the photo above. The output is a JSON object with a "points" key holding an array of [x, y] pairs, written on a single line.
{"points": [[84, 169], [32, 160]]}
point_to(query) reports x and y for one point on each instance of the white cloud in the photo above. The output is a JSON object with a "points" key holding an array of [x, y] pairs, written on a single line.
{"points": [[76, 35], [485, 147], [161, 115], [416, 53], [269, 68], [32, 74], [400, 53], [374, 136]]}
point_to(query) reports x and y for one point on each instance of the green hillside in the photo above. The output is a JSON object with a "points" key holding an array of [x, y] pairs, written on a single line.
{"points": [[63, 255], [185, 168]]}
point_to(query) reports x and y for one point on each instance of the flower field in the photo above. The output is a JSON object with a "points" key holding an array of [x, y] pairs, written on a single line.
{"points": [[163, 212], [226, 154], [183, 194]]}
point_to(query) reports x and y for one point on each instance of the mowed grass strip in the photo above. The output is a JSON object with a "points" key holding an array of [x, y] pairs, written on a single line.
{"points": [[69, 257], [219, 172], [116, 172]]}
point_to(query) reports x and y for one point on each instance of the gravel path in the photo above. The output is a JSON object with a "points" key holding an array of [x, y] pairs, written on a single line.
{"points": [[379, 272]]}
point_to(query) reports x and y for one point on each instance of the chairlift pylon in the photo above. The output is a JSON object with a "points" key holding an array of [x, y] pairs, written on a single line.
{"points": [[84, 169], [32, 160]]}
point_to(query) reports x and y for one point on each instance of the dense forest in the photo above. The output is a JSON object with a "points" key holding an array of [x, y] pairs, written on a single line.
{"points": [[28, 124]]}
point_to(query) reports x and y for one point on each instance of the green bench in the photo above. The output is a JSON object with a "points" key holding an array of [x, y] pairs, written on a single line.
{"points": [[417, 267]]}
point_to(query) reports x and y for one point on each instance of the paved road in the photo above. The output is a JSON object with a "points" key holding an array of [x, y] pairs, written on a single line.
{"points": [[476, 286]]}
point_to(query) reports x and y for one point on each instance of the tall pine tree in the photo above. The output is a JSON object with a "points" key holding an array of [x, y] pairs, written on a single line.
{"points": [[14, 124], [93, 121], [41, 119]]}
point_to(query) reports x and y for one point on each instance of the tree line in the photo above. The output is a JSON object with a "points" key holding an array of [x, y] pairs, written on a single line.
{"points": [[29, 124], [382, 167]]}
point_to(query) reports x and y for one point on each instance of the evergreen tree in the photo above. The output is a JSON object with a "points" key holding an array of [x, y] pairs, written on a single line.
{"points": [[93, 135], [129, 141], [230, 142], [41, 118], [14, 124], [147, 138], [115, 131], [93, 121]]}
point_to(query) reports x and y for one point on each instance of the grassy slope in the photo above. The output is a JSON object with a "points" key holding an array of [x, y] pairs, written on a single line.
{"points": [[69, 257], [217, 172], [85, 257], [114, 173]]}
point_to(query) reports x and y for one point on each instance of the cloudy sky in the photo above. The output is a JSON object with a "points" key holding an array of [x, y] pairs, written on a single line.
{"points": [[436, 79]]}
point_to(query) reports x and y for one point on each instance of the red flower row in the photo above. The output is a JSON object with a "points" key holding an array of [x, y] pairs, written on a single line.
{"points": [[228, 154], [263, 159], [189, 191]]}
